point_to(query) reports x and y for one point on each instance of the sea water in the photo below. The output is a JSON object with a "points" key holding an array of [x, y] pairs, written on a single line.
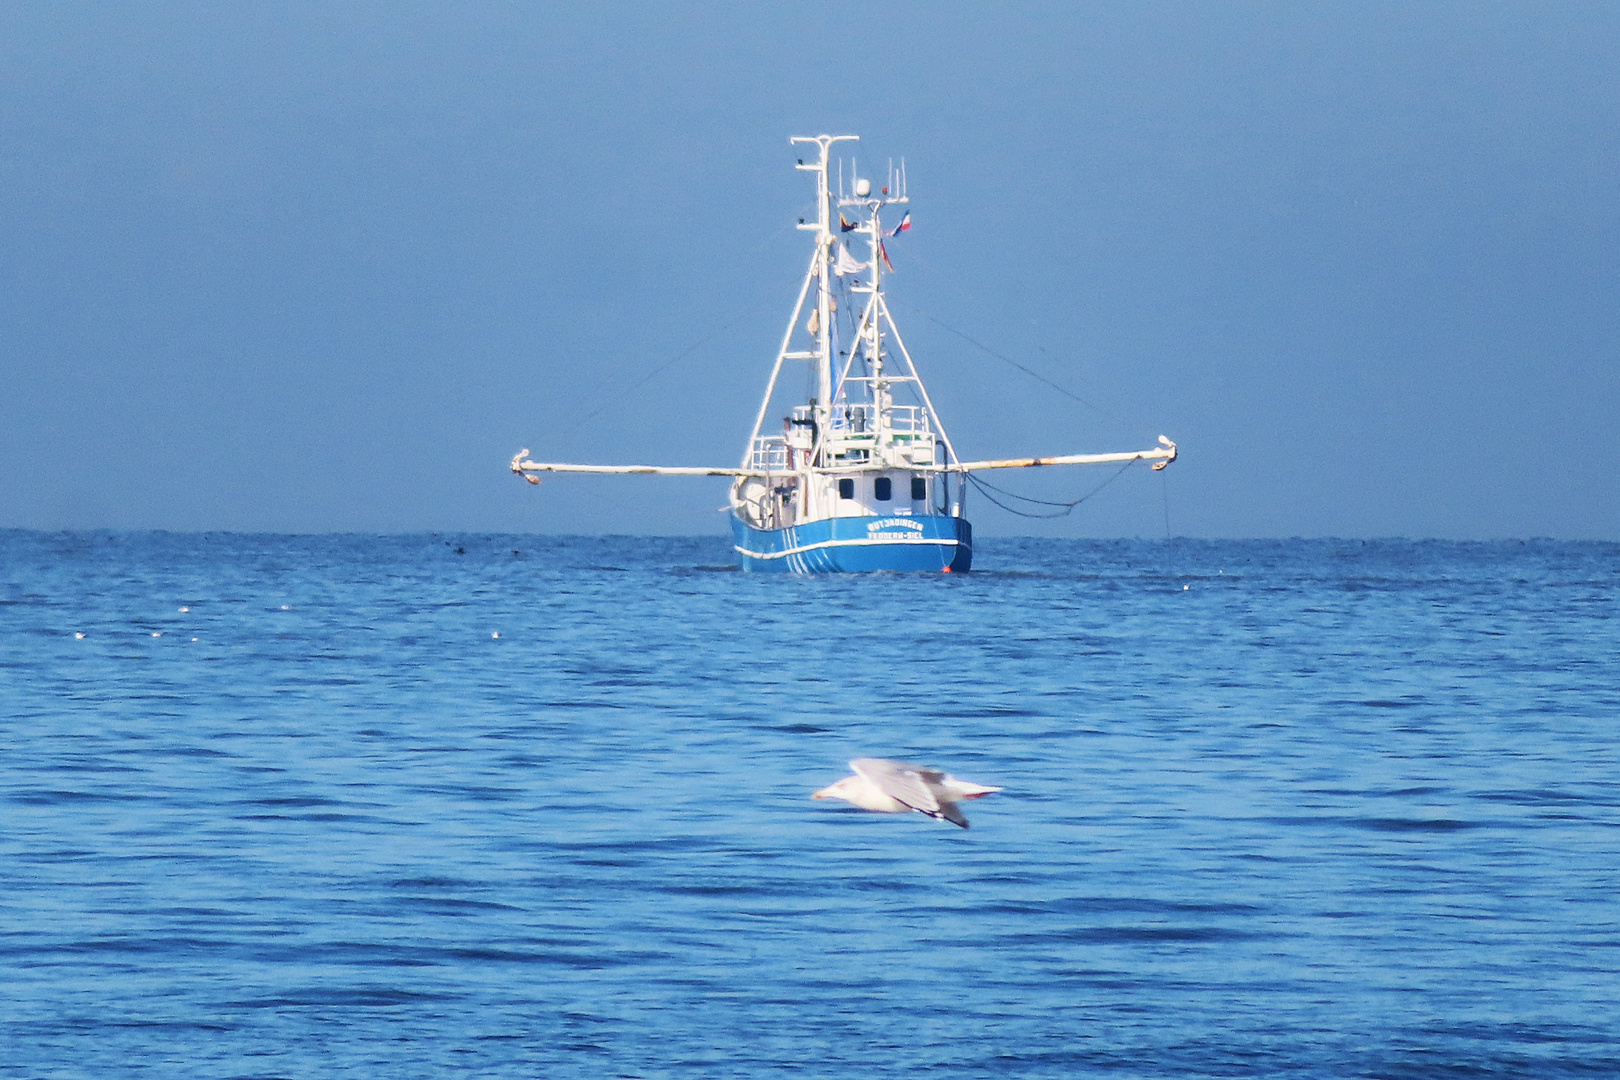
{"points": [[518, 806]]}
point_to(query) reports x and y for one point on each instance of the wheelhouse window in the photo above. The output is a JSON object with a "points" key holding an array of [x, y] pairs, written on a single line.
{"points": [[919, 489], [883, 489], [846, 489]]}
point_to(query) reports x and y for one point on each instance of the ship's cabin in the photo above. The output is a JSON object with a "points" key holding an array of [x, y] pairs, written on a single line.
{"points": [[884, 493], [854, 460]]}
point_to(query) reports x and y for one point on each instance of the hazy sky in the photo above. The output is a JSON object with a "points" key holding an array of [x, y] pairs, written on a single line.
{"points": [[326, 267]]}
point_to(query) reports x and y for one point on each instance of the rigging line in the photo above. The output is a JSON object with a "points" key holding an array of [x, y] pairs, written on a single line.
{"points": [[1005, 358], [604, 385], [985, 488], [950, 283], [1049, 502], [1014, 510], [1099, 410], [1164, 486], [654, 373]]}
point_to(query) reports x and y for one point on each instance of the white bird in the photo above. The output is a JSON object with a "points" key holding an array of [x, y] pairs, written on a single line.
{"points": [[892, 787]]}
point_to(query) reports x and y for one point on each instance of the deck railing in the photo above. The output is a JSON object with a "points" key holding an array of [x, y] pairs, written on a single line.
{"points": [[906, 421], [851, 424], [769, 453]]}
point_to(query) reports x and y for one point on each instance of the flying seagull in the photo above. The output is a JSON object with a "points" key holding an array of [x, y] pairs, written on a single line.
{"points": [[892, 787]]}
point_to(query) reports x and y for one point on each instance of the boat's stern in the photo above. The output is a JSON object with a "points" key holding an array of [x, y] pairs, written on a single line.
{"points": [[922, 543]]}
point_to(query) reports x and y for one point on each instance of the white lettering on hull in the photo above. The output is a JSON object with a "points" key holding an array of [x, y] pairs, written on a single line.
{"points": [[893, 538]]}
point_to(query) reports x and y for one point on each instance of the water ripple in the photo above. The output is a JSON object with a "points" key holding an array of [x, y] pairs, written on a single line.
{"points": [[1333, 809]]}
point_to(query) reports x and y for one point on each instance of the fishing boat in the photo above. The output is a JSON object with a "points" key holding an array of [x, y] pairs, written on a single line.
{"points": [[862, 476]]}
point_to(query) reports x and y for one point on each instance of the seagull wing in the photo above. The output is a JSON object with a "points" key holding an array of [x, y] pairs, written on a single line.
{"points": [[909, 784]]}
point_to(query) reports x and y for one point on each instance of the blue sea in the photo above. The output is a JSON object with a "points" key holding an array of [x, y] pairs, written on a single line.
{"points": [[527, 806]]}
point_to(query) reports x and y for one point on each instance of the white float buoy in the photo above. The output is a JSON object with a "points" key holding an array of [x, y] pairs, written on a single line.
{"points": [[157, 633], [184, 610], [496, 634], [78, 635]]}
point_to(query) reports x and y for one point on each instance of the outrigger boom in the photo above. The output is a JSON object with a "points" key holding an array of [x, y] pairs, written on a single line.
{"points": [[863, 475], [524, 468], [1163, 455]]}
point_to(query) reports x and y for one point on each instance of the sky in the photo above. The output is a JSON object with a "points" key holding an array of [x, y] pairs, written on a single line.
{"points": [[325, 267]]}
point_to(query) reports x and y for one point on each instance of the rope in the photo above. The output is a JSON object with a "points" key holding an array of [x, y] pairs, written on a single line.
{"points": [[651, 375], [1064, 508], [1164, 487], [1009, 360], [615, 396], [1125, 424]]}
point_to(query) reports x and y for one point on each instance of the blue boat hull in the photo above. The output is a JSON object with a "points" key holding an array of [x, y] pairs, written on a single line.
{"points": [[919, 543]]}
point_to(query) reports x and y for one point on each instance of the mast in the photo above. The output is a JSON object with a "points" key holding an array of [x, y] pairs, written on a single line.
{"points": [[824, 242], [817, 275]]}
